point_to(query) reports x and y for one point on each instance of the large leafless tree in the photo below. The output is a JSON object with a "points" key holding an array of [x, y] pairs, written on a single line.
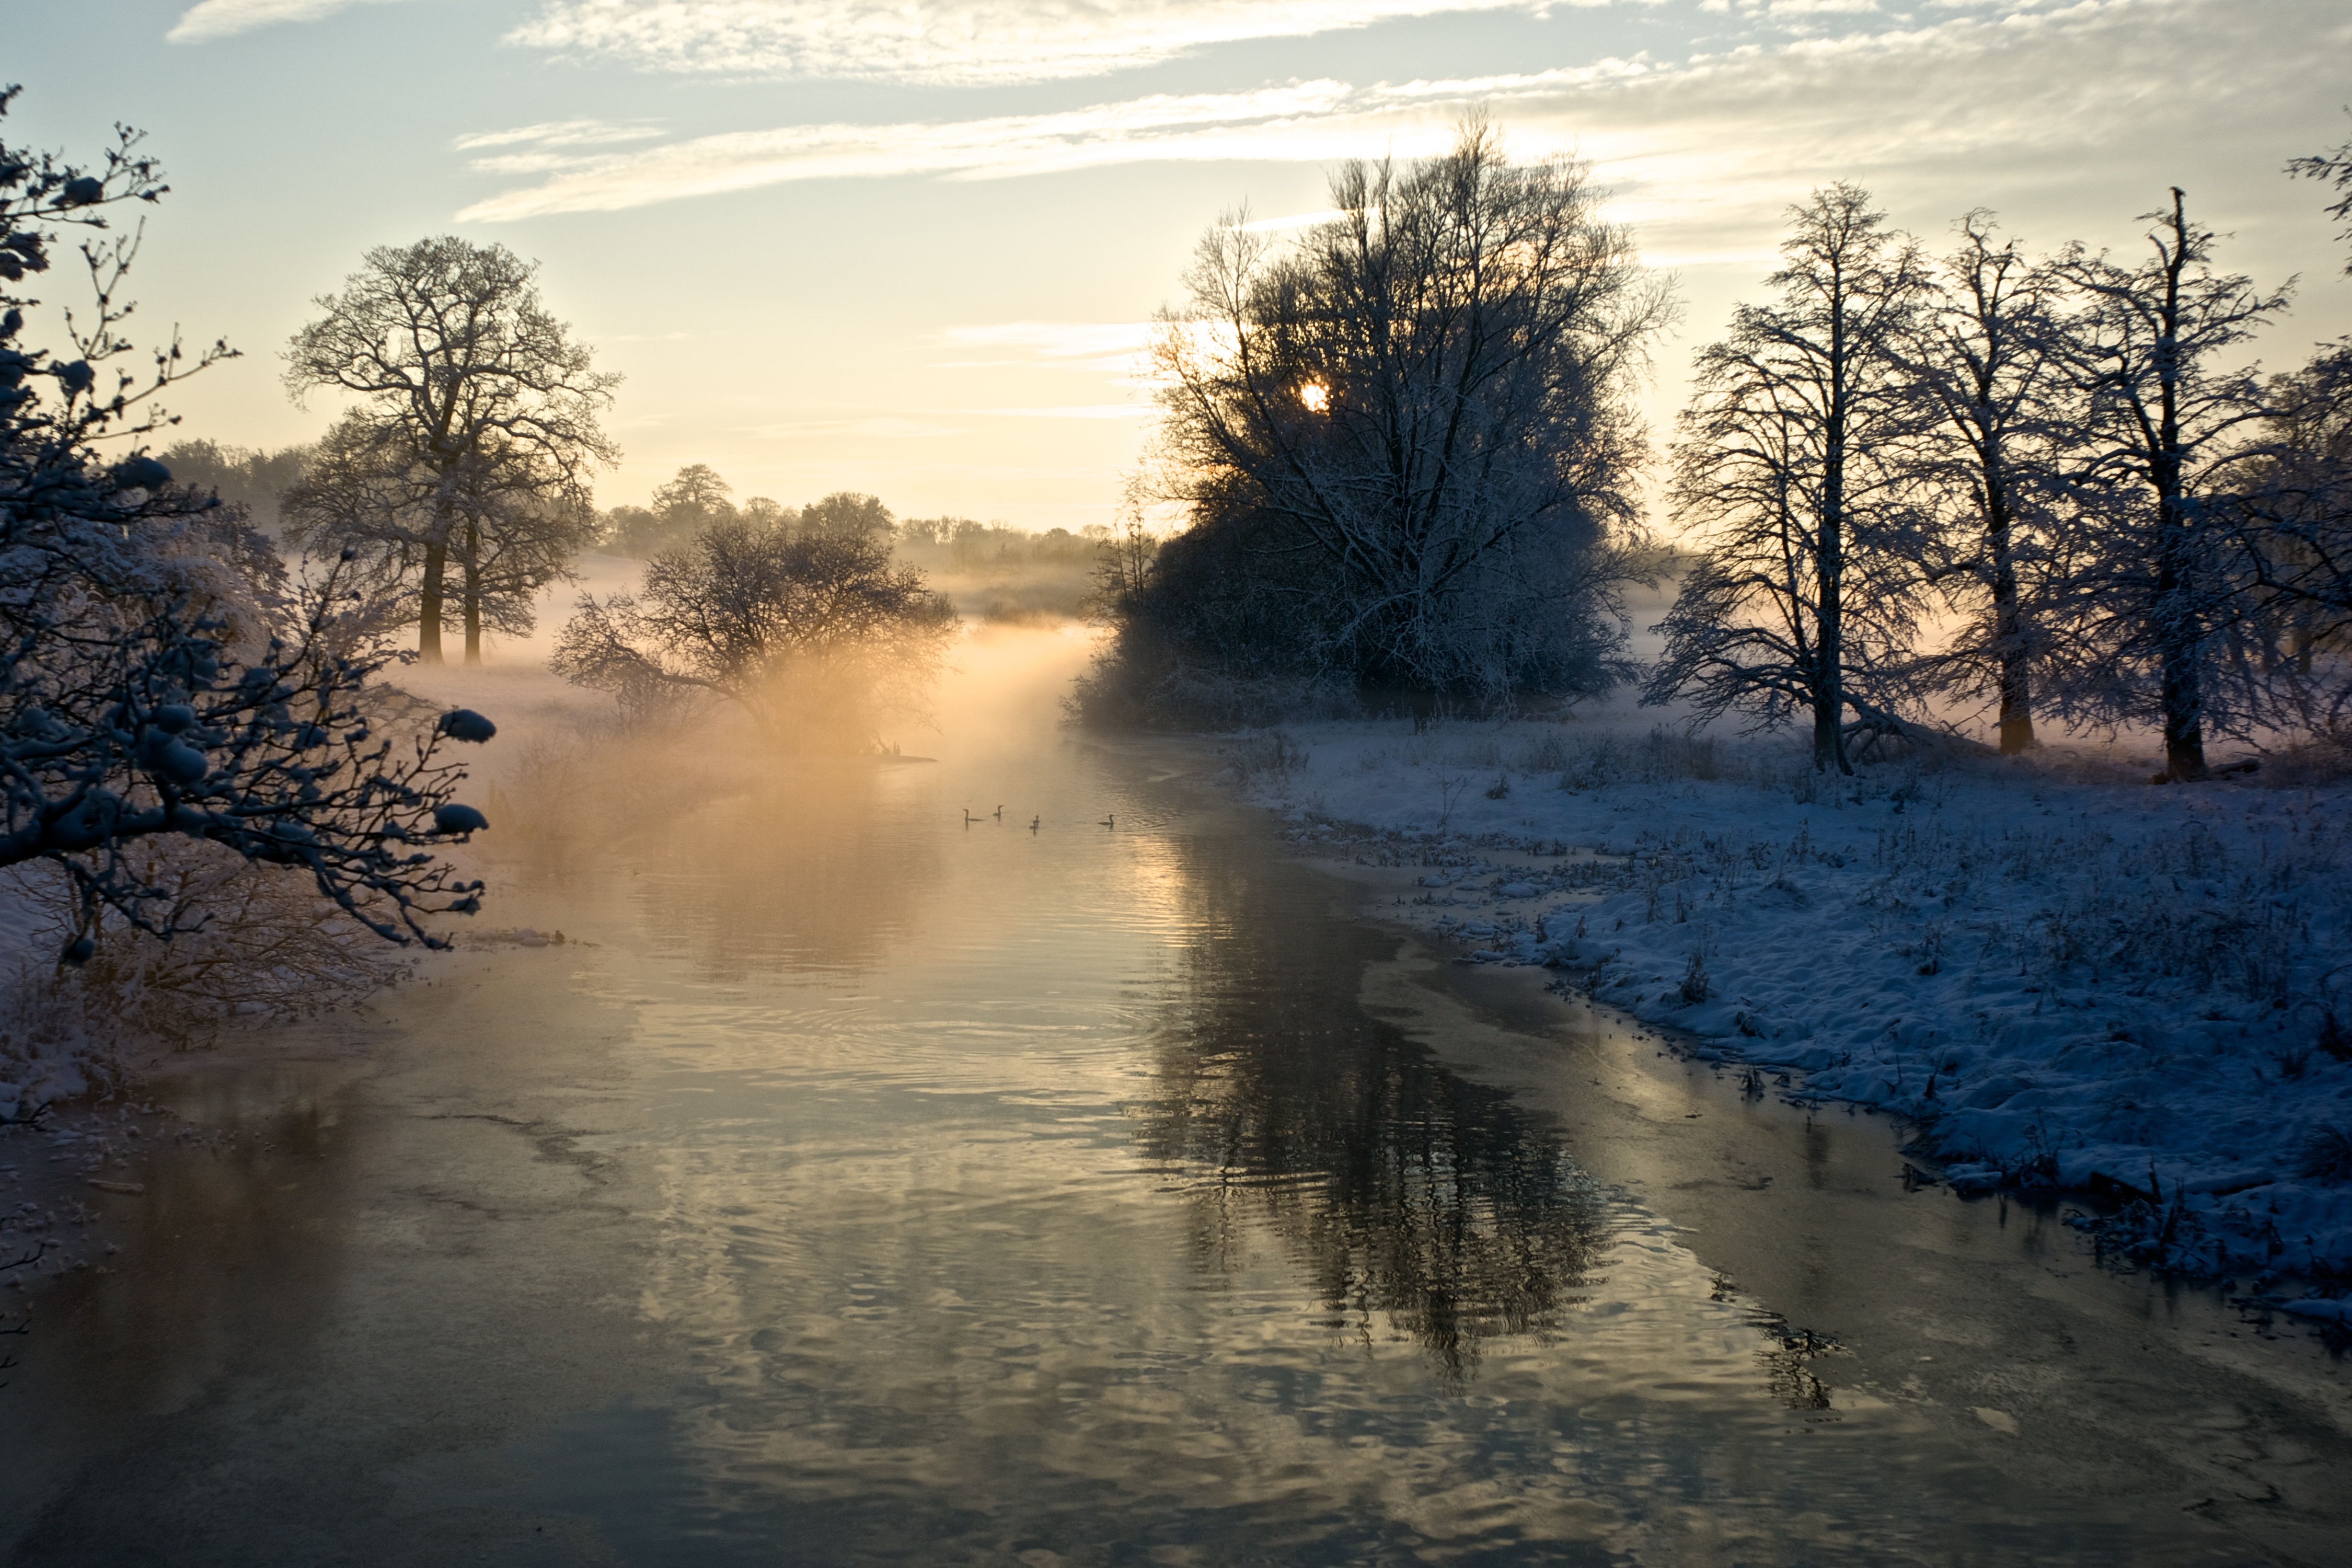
{"points": [[1793, 469], [2158, 614], [1993, 461], [1428, 399], [470, 396]]}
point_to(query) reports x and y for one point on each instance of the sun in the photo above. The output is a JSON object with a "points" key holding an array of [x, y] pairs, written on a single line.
{"points": [[1315, 396]]}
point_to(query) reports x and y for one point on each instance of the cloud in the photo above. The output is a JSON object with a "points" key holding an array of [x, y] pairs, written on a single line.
{"points": [[962, 42], [1312, 119], [557, 133], [226, 18], [1703, 154]]}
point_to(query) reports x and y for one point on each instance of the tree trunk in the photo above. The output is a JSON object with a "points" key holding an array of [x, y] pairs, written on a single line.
{"points": [[428, 623], [2175, 612], [473, 594], [1829, 678], [2183, 694], [2009, 631]]}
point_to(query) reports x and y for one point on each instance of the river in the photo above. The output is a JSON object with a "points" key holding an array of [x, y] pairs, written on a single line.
{"points": [[868, 1177]]}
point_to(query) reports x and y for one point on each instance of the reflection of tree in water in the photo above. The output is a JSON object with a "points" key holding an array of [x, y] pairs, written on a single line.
{"points": [[1789, 1374], [1408, 1192], [1786, 1360]]}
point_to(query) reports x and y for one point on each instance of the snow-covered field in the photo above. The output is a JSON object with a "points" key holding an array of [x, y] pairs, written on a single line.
{"points": [[2063, 975]]}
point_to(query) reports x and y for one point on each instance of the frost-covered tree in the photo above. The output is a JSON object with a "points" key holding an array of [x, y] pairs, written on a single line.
{"points": [[155, 680], [461, 372], [1992, 460], [1415, 423], [2295, 536], [2160, 629], [1793, 470], [2334, 169], [817, 637]]}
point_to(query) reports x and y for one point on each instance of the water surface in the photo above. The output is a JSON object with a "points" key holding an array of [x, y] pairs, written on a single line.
{"points": [[859, 1183]]}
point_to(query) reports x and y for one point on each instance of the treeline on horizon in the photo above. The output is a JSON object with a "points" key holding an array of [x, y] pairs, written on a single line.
{"points": [[1405, 446], [258, 480]]}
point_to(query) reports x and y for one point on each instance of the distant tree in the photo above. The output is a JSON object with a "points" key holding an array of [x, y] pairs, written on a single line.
{"points": [[1792, 469], [693, 501], [2000, 430], [2161, 621], [817, 637], [163, 680], [1424, 406], [244, 477], [464, 378], [845, 514], [623, 529]]}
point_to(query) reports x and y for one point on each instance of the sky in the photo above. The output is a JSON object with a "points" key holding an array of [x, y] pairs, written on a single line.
{"points": [[912, 247]]}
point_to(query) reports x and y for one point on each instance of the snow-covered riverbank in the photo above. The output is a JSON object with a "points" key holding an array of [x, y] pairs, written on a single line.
{"points": [[2064, 975]]}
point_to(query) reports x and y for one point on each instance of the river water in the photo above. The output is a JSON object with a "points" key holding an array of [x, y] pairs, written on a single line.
{"points": [[861, 1182]]}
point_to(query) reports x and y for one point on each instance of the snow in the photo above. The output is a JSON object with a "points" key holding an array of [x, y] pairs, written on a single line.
{"points": [[2061, 976]]}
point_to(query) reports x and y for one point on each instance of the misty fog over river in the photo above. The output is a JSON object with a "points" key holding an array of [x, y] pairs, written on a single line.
{"points": [[859, 1182]]}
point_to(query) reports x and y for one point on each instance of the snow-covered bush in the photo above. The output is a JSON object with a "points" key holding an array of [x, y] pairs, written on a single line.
{"points": [[253, 943], [158, 681]]}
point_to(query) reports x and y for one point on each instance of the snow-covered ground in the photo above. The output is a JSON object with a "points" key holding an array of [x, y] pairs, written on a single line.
{"points": [[2063, 975]]}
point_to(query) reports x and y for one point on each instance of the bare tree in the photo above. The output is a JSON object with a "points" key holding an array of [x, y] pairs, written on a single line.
{"points": [[2294, 534], [2001, 432], [1793, 467], [468, 378], [2158, 617], [1427, 400], [149, 687], [815, 636]]}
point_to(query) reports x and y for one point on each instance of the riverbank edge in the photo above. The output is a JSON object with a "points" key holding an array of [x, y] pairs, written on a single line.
{"points": [[2181, 1217]]}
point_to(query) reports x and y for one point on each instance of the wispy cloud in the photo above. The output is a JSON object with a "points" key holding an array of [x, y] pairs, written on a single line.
{"points": [[1310, 119], [943, 41], [1713, 143], [557, 133], [226, 18]]}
